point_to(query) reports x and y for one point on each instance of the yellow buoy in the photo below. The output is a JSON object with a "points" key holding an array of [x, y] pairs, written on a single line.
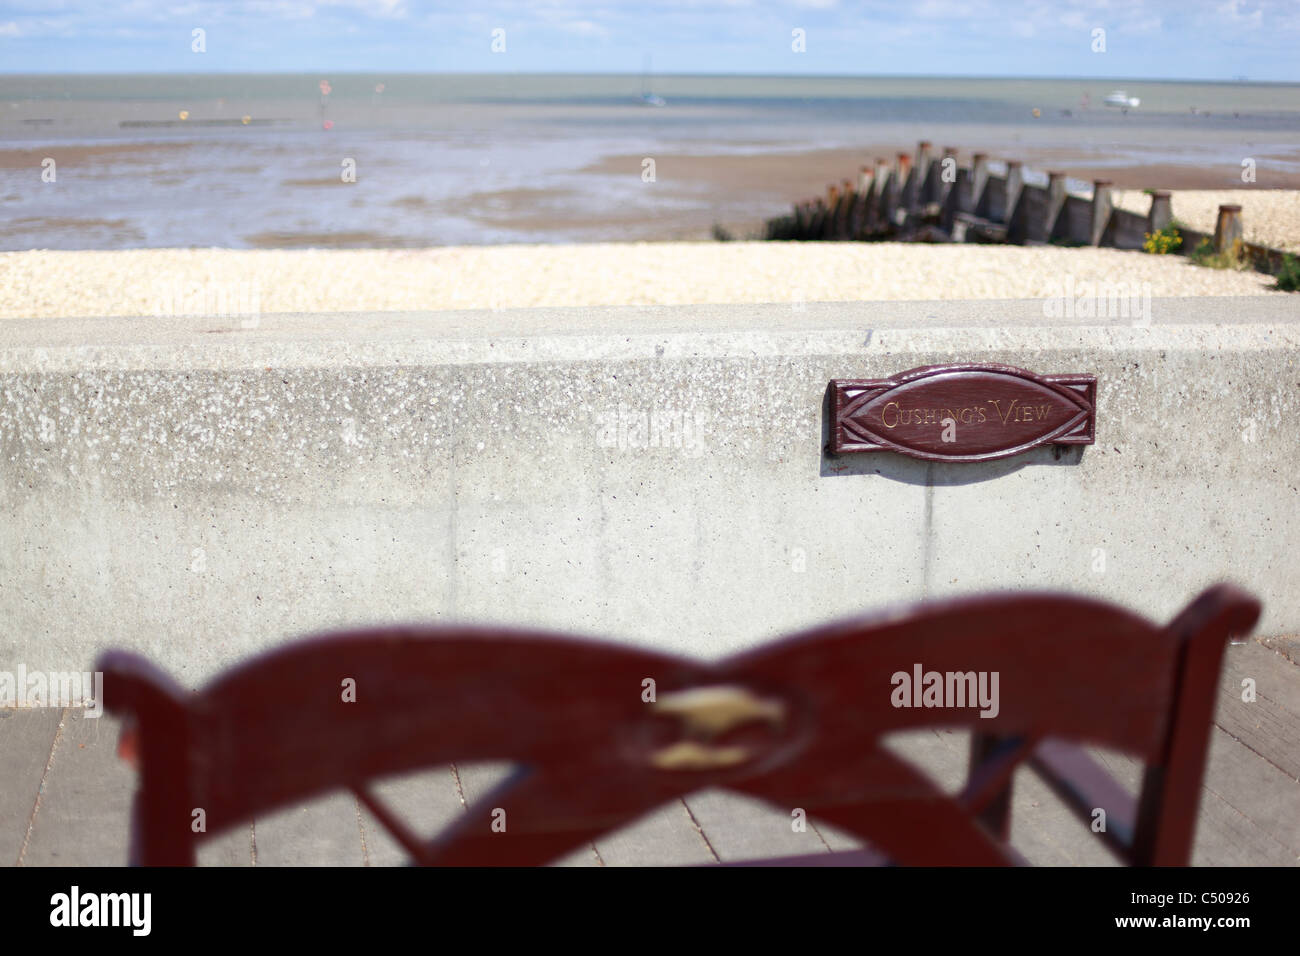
{"points": [[184, 114], [246, 120], [1036, 113]]}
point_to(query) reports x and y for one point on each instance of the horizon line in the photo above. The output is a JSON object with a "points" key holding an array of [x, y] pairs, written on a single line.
{"points": [[1237, 80]]}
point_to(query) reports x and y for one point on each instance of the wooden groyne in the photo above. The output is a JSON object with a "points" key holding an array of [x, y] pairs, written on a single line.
{"points": [[928, 198]]}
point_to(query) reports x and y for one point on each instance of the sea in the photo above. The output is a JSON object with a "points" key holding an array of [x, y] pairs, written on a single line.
{"points": [[378, 160]]}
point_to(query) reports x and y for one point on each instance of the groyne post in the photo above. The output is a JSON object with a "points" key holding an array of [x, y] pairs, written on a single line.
{"points": [[943, 187], [979, 180], [919, 186], [1102, 204], [1227, 228], [1055, 203]]}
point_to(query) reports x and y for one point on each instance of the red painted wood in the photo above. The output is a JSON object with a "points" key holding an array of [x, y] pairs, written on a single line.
{"points": [[805, 715]]}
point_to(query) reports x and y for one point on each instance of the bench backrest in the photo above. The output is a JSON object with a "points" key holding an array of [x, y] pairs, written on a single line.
{"points": [[605, 733]]}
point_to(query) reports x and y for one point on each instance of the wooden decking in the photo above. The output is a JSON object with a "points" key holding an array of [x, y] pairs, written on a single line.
{"points": [[65, 797]]}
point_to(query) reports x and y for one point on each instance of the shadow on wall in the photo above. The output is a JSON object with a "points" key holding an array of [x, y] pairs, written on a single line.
{"points": [[912, 471]]}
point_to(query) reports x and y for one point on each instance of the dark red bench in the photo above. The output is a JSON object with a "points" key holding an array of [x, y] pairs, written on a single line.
{"points": [[797, 723]]}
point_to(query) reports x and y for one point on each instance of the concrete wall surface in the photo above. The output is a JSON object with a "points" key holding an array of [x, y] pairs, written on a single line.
{"points": [[199, 490]]}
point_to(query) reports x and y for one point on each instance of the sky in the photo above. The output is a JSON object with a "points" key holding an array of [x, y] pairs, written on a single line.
{"points": [[1141, 39]]}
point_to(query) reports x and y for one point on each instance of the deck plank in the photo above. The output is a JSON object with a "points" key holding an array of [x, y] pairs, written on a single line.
{"points": [[667, 836], [1269, 725], [478, 779], [84, 814], [26, 739], [1225, 835], [1250, 808], [321, 832], [427, 801], [232, 848], [739, 827], [1257, 790]]}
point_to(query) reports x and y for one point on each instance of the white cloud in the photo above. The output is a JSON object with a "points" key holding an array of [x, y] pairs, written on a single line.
{"points": [[584, 28], [1235, 10]]}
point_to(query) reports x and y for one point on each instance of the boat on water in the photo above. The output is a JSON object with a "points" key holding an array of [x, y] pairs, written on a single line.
{"points": [[1121, 100]]}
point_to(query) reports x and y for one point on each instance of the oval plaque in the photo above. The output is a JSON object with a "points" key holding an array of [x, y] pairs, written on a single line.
{"points": [[962, 412]]}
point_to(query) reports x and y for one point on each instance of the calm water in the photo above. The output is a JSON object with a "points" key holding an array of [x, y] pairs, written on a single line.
{"points": [[259, 160]]}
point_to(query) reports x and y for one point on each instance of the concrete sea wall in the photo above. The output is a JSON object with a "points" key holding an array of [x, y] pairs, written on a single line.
{"points": [[199, 490]]}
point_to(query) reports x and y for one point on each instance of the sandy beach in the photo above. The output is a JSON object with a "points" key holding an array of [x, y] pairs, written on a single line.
{"points": [[268, 162], [1270, 217], [217, 281]]}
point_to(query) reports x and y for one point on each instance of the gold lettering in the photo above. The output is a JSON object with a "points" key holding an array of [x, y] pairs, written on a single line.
{"points": [[884, 415], [966, 415], [930, 416]]}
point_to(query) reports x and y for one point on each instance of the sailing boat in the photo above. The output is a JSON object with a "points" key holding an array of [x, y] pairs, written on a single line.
{"points": [[648, 98]]}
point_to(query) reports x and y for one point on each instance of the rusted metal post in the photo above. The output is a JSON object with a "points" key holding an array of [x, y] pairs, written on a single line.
{"points": [[1102, 204], [1227, 230]]}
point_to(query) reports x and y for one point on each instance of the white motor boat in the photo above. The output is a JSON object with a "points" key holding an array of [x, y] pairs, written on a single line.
{"points": [[1121, 100]]}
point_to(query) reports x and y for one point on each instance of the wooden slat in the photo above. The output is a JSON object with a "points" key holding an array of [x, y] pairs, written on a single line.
{"points": [[323, 832], [1085, 786], [1270, 725], [427, 801], [667, 836], [26, 739], [848, 858], [232, 848], [1259, 791], [477, 779], [1225, 836], [1043, 829], [739, 827], [84, 813]]}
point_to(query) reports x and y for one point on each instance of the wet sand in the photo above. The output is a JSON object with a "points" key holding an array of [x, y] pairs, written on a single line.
{"points": [[74, 155], [607, 199], [775, 181]]}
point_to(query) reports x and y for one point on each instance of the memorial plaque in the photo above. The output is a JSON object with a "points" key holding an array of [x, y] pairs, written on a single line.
{"points": [[962, 412]]}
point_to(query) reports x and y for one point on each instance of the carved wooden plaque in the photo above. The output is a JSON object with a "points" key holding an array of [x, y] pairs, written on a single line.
{"points": [[962, 412]]}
